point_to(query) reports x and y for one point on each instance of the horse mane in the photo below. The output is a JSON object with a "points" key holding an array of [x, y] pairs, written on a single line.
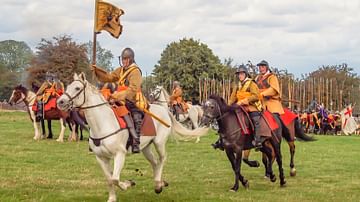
{"points": [[22, 89], [165, 91], [224, 107]]}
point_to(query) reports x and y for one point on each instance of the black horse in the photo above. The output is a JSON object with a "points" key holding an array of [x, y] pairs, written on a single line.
{"points": [[235, 140]]}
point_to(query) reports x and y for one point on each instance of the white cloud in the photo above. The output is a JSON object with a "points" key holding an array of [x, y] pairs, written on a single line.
{"points": [[298, 35]]}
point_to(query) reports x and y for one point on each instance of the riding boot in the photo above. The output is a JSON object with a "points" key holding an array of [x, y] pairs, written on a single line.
{"points": [[218, 144], [138, 120], [132, 131], [258, 140], [177, 112]]}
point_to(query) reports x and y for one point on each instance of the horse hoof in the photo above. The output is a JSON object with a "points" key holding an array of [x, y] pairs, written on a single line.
{"points": [[273, 178], [59, 140], [234, 188], [283, 184], [132, 183], [246, 185], [158, 190], [165, 183], [293, 172]]}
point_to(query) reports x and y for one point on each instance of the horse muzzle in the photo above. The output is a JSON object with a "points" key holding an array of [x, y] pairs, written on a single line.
{"points": [[63, 104], [205, 121]]}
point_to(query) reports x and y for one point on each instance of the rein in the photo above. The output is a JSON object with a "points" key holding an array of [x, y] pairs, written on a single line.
{"points": [[77, 94]]}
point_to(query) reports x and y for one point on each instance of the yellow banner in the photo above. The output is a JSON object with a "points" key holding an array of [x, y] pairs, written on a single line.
{"points": [[107, 17]]}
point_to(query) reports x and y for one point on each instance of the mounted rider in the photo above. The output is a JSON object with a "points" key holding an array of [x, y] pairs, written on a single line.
{"points": [[129, 81], [246, 94], [269, 87], [50, 88], [176, 101]]}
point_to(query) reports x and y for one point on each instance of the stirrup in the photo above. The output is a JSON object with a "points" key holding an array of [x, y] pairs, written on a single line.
{"points": [[218, 145]]}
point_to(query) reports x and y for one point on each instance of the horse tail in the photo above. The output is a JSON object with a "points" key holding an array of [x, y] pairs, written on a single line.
{"points": [[184, 134], [300, 133], [285, 132]]}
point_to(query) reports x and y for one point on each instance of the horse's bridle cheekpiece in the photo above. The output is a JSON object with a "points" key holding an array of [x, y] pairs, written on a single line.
{"points": [[77, 94]]}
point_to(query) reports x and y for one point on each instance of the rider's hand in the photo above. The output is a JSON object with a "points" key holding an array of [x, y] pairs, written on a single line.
{"points": [[93, 67], [240, 102]]}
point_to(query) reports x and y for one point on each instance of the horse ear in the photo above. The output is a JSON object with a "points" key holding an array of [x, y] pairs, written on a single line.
{"points": [[82, 76], [76, 77]]}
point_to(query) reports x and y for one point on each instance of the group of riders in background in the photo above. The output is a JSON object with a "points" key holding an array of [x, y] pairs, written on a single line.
{"points": [[122, 88]]}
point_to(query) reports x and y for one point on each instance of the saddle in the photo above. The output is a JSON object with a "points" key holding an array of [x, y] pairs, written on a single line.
{"points": [[49, 105], [147, 127]]}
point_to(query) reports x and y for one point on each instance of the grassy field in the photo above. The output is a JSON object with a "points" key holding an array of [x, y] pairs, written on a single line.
{"points": [[327, 170]]}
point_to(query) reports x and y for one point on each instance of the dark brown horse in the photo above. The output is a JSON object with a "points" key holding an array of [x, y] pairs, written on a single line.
{"points": [[295, 132], [235, 141], [22, 94]]}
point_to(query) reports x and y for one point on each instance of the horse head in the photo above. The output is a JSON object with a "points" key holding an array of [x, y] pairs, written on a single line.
{"points": [[159, 94], [213, 108], [74, 96], [18, 94]]}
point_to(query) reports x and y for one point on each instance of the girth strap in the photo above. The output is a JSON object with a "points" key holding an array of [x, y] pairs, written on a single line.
{"points": [[97, 141]]}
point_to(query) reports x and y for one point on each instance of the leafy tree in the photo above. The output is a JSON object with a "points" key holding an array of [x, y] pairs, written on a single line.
{"points": [[15, 55], [103, 56], [61, 56], [8, 80], [188, 61]]}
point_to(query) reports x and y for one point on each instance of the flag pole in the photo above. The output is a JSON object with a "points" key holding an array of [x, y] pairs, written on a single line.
{"points": [[94, 34]]}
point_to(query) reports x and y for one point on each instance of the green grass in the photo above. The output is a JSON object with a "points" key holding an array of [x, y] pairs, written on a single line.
{"points": [[327, 170]]}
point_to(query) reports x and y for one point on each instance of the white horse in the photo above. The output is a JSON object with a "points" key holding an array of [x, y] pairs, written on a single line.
{"points": [[111, 140], [22, 94], [161, 97]]}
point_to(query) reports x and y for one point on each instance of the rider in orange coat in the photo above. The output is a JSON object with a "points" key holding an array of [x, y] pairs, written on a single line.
{"points": [[51, 87], [129, 80], [176, 101]]}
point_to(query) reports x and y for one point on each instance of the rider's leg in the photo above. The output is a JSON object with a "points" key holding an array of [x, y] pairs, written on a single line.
{"points": [[255, 118]]}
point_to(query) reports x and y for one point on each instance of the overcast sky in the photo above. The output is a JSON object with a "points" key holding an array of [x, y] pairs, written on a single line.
{"points": [[292, 34]]}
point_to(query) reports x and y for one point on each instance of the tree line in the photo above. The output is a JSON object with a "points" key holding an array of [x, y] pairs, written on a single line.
{"points": [[188, 61]]}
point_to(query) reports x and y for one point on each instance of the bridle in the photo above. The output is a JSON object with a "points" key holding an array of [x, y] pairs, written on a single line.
{"points": [[96, 141], [24, 100], [157, 96], [78, 94]]}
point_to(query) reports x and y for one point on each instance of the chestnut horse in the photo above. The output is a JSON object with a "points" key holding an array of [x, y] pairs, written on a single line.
{"points": [[22, 94]]}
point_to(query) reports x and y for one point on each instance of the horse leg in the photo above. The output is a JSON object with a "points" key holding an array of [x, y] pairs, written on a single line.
{"points": [[62, 131], [292, 155], [238, 159], [157, 166], [246, 160], [105, 165], [50, 136], [161, 150], [119, 161], [35, 125], [231, 156], [81, 132], [42, 122], [277, 149], [268, 160], [74, 135]]}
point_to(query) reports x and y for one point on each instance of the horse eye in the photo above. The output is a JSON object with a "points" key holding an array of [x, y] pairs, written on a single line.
{"points": [[77, 88]]}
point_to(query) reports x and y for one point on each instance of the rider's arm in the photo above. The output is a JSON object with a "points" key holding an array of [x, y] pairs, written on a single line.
{"points": [[254, 90], [42, 88], [273, 90], [104, 76]]}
